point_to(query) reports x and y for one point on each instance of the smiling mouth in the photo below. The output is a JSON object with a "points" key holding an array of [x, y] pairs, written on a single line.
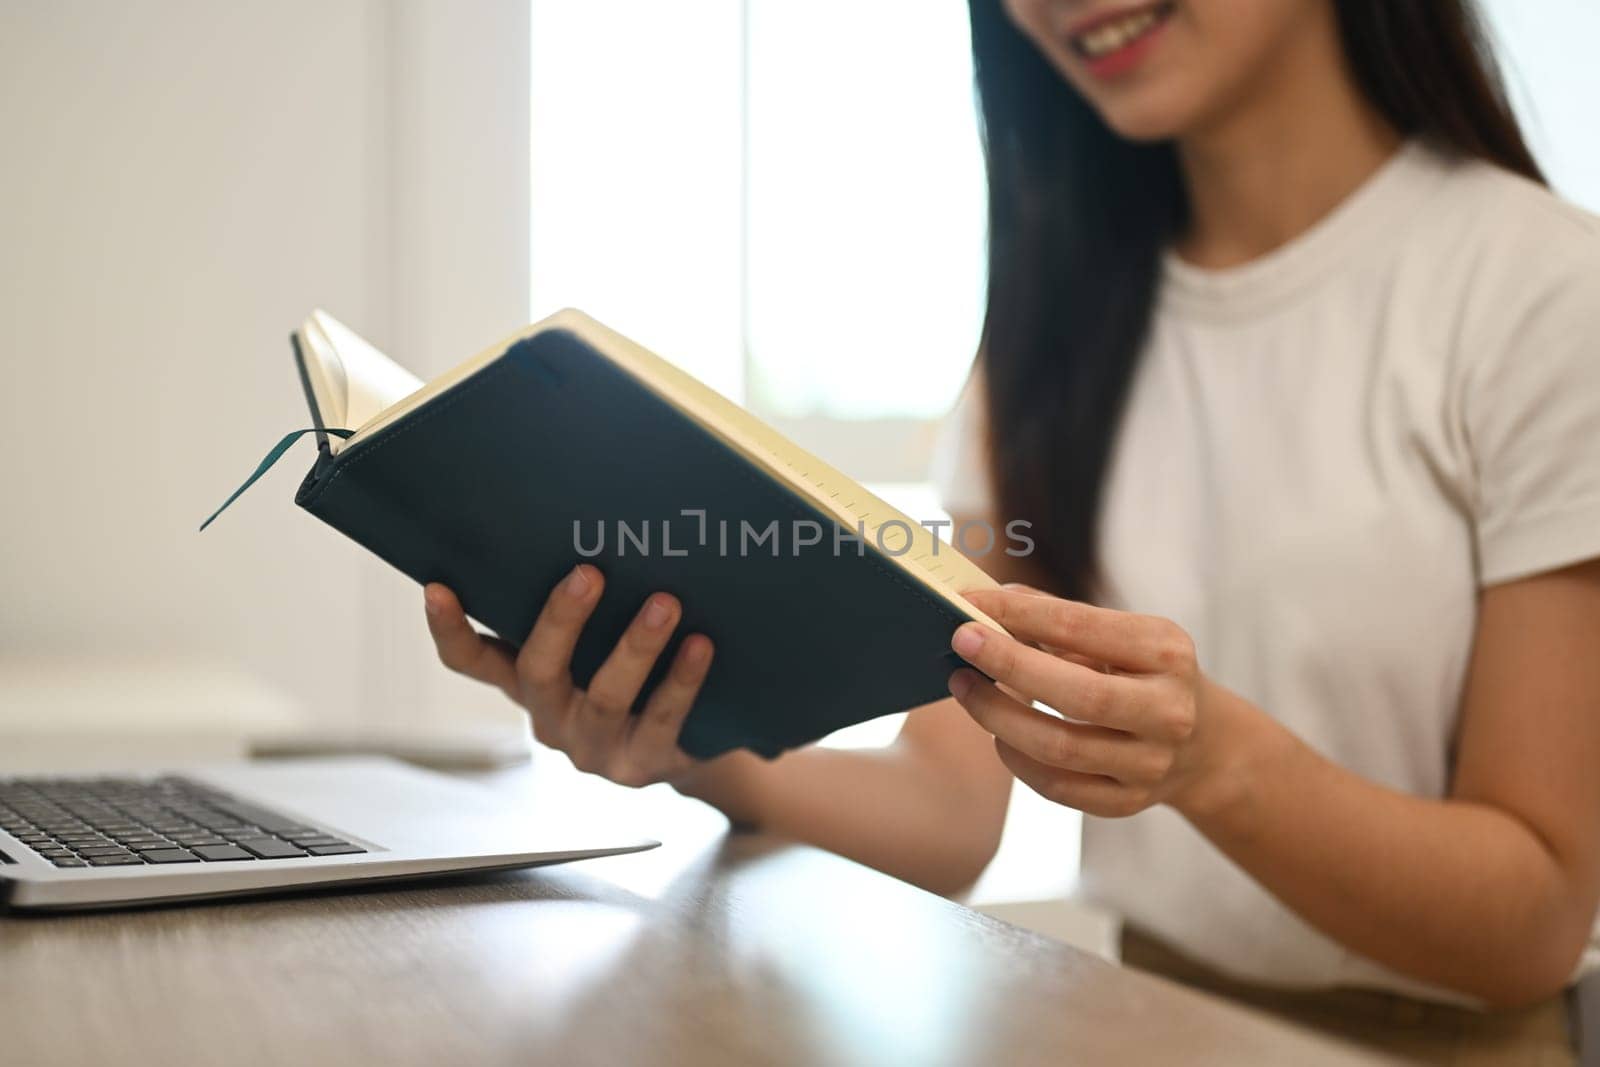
{"points": [[1110, 36]]}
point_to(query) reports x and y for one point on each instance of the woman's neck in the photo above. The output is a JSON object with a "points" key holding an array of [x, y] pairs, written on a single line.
{"points": [[1269, 170]]}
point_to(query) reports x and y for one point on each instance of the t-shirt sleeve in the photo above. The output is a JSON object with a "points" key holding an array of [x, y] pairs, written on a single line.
{"points": [[1532, 422], [960, 455]]}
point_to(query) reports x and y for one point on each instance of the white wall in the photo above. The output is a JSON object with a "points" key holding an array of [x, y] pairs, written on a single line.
{"points": [[180, 182]]}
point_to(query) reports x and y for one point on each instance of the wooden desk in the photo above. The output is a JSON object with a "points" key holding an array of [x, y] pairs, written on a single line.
{"points": [[715, 949]]}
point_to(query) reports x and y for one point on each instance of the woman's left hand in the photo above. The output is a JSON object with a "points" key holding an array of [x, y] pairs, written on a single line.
{"points": [[1135, 702]]}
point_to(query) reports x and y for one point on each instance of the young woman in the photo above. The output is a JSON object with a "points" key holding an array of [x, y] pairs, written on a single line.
{"points": [[1295, 367]]}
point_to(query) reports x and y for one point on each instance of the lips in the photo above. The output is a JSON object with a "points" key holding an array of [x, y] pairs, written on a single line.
{"points": [[1105, 37]]}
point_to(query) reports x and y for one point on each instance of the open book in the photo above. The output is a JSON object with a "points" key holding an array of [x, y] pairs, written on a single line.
{"points": [[569, 442]]}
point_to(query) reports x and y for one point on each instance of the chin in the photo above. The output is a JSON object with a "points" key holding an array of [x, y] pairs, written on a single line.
{"points": [[1164, 107], [1144, 125], [1149, 113]]}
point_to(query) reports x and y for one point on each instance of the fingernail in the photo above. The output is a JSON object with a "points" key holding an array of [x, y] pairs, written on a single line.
{"points": [[577, 582], [961, 684], [968, 640], [656, 613], [695, 651], [432, 601]]}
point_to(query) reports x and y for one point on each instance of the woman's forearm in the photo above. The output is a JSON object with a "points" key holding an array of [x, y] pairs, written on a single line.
{"points": [[927, 809], [1456, 893]]}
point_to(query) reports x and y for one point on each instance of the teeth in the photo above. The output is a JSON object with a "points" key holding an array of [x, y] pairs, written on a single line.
{"points": [[1111, 36]]}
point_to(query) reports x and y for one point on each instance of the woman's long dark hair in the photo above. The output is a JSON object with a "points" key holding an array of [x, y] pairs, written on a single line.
{"points": [[1078, 219]]}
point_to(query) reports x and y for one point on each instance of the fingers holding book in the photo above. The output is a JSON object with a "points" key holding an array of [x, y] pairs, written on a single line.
{"points": [[592, 726], [465, 650], [544, 666]]}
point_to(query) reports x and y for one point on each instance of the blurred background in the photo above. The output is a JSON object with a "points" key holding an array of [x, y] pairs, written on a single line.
{"points": [[783, 197]]}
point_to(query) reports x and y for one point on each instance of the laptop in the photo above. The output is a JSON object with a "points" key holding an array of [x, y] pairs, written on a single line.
{"points": [[100, 841]]}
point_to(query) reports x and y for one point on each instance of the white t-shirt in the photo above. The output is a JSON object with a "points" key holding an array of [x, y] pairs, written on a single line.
{"points": [[1326, 454]]}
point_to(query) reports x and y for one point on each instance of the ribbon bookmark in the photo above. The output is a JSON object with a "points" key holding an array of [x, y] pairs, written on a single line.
{"points": [[272, 457]]}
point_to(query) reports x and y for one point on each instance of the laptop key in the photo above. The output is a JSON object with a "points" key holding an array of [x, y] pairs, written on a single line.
{"points": [[216, 853], [250, 815], [170, 855], [69, 862], [102, 850], [343, 849], [269, 848], [127, 859]]}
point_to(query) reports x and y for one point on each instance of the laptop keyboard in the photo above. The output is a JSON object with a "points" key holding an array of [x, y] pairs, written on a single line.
{"points": [[128, 822]]}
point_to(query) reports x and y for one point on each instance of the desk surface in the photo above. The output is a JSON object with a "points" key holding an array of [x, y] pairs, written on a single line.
{"points": [[713, 949]]}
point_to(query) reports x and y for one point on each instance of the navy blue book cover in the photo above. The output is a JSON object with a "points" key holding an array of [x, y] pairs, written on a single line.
{"points": [[552, 455]]}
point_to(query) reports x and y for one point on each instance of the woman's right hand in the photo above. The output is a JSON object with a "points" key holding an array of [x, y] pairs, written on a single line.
{"points": [[592, 726]]}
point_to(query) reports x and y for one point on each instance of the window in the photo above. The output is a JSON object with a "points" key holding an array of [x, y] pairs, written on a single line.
{"points": [[1545, 52], [793, 211], [637, 165], [865, 221]]}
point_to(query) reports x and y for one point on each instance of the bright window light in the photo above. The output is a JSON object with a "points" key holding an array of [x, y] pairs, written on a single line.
{"points": [[1546, 50], [784, 198], [637, 157], [866, 214]]}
